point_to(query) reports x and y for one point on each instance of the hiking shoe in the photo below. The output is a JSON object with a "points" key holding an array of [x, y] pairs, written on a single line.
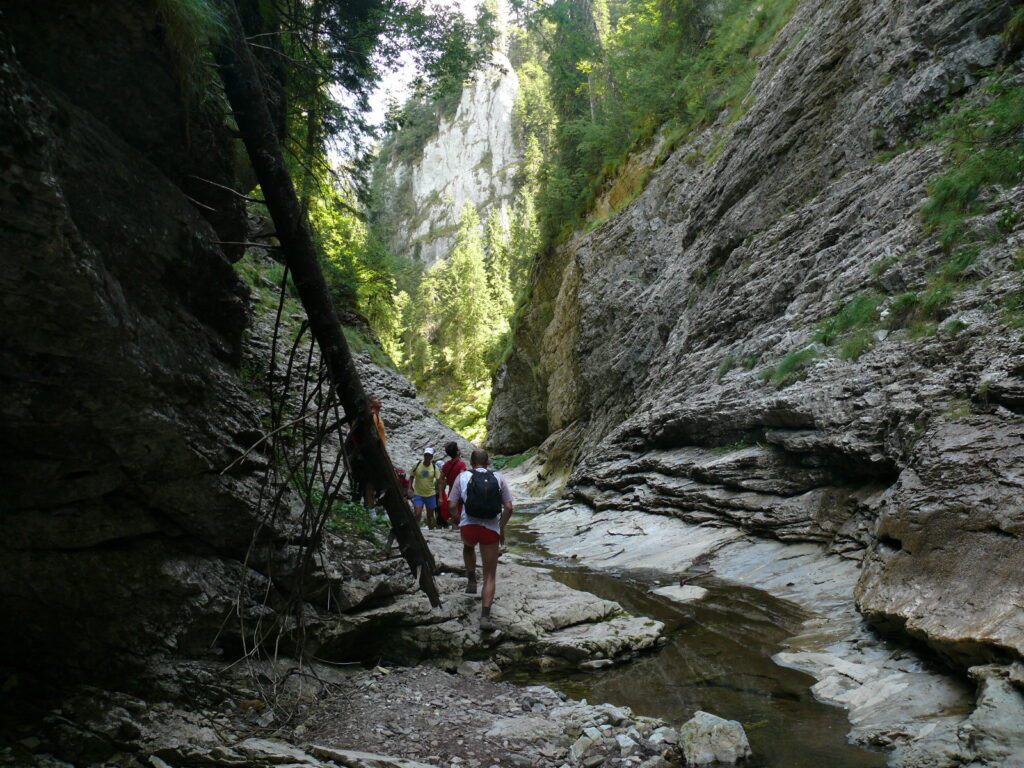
{"points": [[487, 624], [471, 587]]}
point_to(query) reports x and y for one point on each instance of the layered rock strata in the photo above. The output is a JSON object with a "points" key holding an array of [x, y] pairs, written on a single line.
{"points": [[124, 532], [671, 359]]}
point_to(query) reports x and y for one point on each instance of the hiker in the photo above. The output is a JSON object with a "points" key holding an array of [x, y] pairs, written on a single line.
{"points": [[450, 471], [377, 421], [426, 481], [487, 506], [364, 487]]}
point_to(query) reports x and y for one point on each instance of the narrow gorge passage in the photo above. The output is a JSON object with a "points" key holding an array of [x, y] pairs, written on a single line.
{"points": [[736, 286], [717, 659]]}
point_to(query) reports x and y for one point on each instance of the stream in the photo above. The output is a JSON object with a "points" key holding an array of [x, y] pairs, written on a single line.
{"points": [[718, 658]]}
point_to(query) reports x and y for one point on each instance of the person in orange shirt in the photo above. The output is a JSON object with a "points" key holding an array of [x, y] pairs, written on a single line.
{"points": [[365, 488], [375, 410]]}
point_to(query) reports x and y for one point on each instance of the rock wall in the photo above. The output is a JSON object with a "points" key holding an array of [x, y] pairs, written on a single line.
{"points": [[125, 327], [645, 357], [472, 158]]}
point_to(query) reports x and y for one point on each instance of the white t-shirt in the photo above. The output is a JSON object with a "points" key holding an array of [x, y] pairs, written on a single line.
{"points": [[459, 495]]}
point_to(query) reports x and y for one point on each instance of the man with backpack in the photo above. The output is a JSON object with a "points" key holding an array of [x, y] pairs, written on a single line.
{"points": [[486, 507]]}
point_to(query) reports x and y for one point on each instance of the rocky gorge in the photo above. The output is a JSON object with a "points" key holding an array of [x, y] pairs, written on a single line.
{"points": [[140, 563], [760, 367], [694, 356]]}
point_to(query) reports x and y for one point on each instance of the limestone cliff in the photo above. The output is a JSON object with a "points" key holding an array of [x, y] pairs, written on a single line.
{"points": [[473, 157], [673, 358]]}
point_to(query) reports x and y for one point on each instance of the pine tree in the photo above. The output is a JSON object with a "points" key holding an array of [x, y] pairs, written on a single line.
{"points": [[499, 272], [469, 316], [524, 239]]}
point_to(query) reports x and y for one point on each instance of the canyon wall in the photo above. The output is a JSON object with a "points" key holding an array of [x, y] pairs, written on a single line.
{"points": [[125, 331], [676, 359], [472, 158]]}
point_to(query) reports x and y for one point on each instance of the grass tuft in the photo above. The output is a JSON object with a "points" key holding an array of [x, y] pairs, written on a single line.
{"points": [[791, 368], [984, 149], [859, 312]]}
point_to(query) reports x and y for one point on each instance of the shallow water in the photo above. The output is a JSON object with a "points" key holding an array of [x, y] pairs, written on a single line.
{"points": [[718, 658]]}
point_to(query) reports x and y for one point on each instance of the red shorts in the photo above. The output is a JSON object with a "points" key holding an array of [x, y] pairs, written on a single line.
{"points": [[477, 534]]}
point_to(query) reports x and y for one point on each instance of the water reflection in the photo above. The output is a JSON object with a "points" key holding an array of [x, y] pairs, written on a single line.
{"points": [[718, 658]]}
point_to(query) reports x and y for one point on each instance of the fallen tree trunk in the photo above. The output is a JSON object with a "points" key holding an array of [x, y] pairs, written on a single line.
{"points": [[245, 93]]}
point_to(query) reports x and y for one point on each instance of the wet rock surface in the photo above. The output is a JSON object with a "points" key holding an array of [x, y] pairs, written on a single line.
{"points": [[540, 623], [894, 699]]}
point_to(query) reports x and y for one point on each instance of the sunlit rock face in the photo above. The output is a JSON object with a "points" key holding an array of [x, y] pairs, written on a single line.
{"points": [[472, 158]]}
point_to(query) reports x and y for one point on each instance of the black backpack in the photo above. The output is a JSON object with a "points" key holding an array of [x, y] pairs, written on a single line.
{"points": [[483, 495]]}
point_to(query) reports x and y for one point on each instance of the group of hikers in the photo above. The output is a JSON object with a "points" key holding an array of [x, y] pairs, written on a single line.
{"points": [[477, 500], [474, 499]]}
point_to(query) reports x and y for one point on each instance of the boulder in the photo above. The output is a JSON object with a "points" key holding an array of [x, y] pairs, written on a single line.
{"points": [[707, 739]]}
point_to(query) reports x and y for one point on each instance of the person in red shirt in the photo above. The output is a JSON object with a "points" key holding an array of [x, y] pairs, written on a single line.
{"points": [[450, 471]]}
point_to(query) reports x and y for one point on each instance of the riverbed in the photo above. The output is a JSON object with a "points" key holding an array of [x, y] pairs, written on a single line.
{"points": [[718, 657]]}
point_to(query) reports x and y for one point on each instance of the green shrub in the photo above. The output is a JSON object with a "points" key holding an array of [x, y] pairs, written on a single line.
{"points": [[728, 363], [353, 518], [881, 266], [860, 311], [984, 149], [1013, 309], [954, 327], [856, 345], [954, 268], [902, 309], [936, 300], [791, 368]]}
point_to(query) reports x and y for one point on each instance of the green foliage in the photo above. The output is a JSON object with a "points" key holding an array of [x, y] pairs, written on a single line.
{"points": [[984, 149], [739, 445], [353, 518], [902, 309], [958, 409], [1013, 308], [861, 311], [414, 124], [856, 344], [791, 368], [954, 327], [619, 72], [498, 265], [881, 266], [728, 363], [1013, 35], [189, 26], [455, 319], [513, 461], [358, 343], [918, 311]]}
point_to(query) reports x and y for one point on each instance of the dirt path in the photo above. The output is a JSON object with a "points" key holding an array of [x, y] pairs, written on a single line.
{"points": [[465, 719]]}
